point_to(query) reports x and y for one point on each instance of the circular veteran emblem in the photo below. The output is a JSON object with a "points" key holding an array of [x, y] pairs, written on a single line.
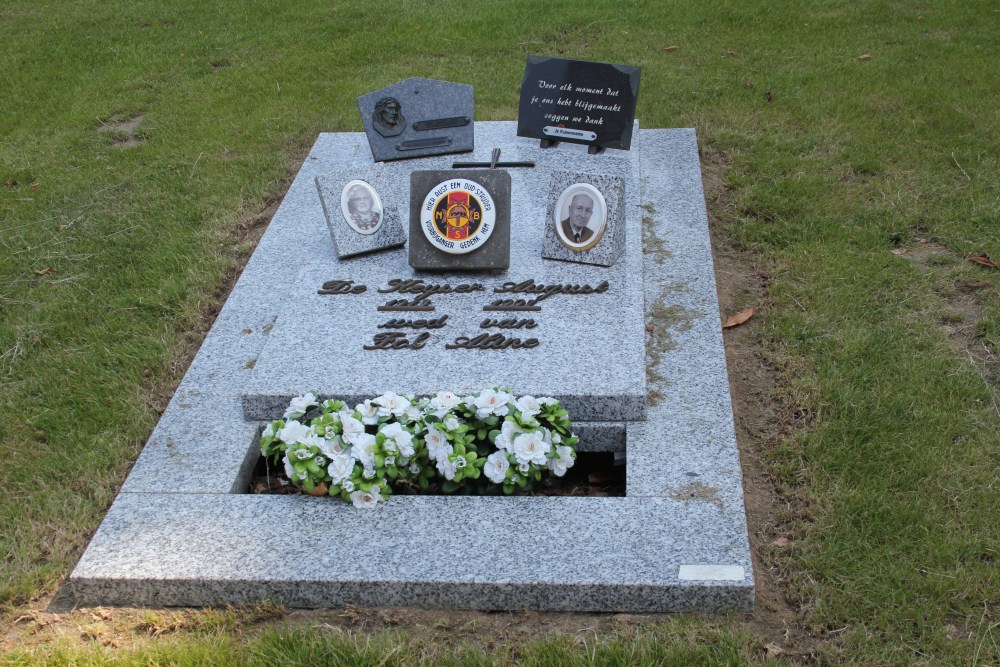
{"points": [[458, 216]]}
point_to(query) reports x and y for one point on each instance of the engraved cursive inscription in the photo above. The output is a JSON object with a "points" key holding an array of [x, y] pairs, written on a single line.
{"points": [[422, 291], [341, 287], [405, 305], [508, 324], [512, 304], [414, 324], [545, 291], [395, 340], [495, 341]]}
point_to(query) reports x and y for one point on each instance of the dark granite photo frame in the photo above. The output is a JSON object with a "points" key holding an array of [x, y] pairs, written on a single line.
{"points": [[494, 255]]}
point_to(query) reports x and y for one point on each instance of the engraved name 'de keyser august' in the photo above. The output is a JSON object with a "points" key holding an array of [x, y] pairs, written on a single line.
{"points": [[417, 299]]}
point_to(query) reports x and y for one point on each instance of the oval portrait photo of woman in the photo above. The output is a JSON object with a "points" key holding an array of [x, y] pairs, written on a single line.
{"points": [[580, 217], [362, 207]]}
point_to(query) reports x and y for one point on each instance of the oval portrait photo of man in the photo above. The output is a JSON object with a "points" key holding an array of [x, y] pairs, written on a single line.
{"points": [[580, 217], [362, 207]]}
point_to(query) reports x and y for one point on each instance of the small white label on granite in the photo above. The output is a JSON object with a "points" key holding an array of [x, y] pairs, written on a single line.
{"points": [[711, 573]]}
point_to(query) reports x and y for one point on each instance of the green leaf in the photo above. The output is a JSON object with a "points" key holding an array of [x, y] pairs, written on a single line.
{"points": [[449, 486]]}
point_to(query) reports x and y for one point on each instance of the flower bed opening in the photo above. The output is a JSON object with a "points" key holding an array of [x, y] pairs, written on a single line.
{"points": [[488, 443]]}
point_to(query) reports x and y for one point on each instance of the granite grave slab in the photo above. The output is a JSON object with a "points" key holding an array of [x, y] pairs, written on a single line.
{"points": [[185, 533], [584, 347]]}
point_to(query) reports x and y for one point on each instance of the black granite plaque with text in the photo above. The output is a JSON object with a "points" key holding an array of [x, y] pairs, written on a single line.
{"points": [[578, 101]]}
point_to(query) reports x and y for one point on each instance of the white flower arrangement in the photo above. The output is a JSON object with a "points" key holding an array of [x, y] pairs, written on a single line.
{"points": [[487, 443]]}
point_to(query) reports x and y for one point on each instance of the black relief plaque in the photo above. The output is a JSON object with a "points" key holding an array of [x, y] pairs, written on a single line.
{"points": [[578, 101]]}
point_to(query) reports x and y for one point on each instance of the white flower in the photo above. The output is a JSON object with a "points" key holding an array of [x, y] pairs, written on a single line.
{"points": [[268, 431], [445, 399], [320, 461], [331, 447], [508, 431], [496, 467], [446, 468], [390, 460], [369, 412], [352, 429], [400, 436], [524, 467], [562, 462], [531, 448], [365, 499], [451, 423], [391, 403], [437, 443], [347, 485], [545, 400], [492, 402], [301, 453], [312, 439], [528, 406], [415, 469], [556, 438], [413, 414], [293, 432], [289, 470], [340, 468], [301, 404], [368, 473], [364, 449], [460, 462]]}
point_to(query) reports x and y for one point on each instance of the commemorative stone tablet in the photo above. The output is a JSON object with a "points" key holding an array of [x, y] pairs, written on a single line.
{"points": [[418, 117], [360, 210], [578, 101], [460, 220], [586, 218]]}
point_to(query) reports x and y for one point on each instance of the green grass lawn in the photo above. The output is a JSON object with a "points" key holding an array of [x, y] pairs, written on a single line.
{"points": [[137, 139]]}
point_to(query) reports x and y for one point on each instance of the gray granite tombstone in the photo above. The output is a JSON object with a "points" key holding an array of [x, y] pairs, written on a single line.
{"points": [[418, 117], [361, 213], [585, 221], [460, 220]]}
